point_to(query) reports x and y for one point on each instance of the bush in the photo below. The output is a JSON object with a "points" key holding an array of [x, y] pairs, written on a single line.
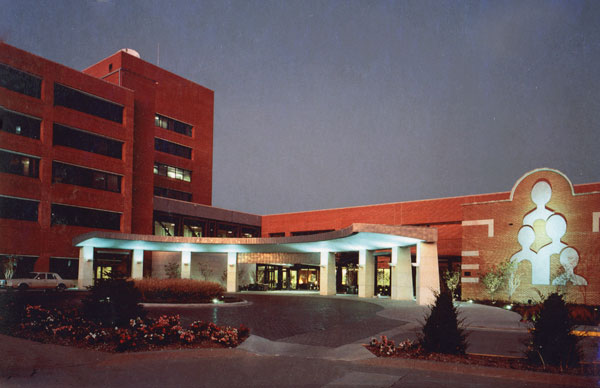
{"points": [[178, 290], [551, 341], [113, 302], [440, 333]]}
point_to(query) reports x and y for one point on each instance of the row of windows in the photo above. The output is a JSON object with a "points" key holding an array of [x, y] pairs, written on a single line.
{"points": [[18, 209], [178, 225], [78, 216], [22, 266], [80, 176], [172, 172], [172, 148], [172, 125], [86, 141], [30, 85], [173, 194], [18, 124], [27, 210], [86, 103], [20, 82], [18, 164]]}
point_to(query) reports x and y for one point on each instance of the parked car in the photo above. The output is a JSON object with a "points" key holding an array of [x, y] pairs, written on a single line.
{"points": [[40, 280]]}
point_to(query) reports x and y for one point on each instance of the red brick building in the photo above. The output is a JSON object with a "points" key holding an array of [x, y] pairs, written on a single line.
{"points": [[126, 146]]}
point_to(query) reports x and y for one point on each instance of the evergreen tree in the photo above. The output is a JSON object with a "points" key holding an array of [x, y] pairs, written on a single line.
{"points": [[441, 332]]}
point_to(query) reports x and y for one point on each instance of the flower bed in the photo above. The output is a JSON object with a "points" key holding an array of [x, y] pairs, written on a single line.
{"points": [[140, 334], [412, 350], [178, 290]]}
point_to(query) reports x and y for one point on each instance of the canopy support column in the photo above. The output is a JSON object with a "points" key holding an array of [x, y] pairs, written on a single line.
{"points": [[428, 273], [366, 274], [85, 276], [186, 264], [137, 264], [401, 268], [232, 280], [327, 285]]}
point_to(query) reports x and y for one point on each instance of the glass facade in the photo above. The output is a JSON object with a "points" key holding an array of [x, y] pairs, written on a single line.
{"points": [[80, 176], [19, 164], [172, 125], [66, 268], [18, 208], [172, 172], [20, 82], [86, 103], [172, 148], [173, 194], [179, 225], [85, 141], [79, 216], [19, 124], [16, 266]]}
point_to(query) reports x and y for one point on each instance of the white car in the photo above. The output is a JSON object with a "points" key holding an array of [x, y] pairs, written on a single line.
{"points": [[40, 280]]}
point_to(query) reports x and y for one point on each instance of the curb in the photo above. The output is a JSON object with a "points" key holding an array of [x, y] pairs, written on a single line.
{"points": [[484, 371]]}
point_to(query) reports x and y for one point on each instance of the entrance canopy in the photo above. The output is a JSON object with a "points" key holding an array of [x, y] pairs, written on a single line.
{"points": [[356, 237]]}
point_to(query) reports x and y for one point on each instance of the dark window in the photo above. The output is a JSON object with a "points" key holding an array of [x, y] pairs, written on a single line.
{"points": [[86, 103], [172, 172], [19, 164], [18, 209], [18, 124], [66, 268], [85, 141], [80, 176], [78, 216], [20, 82], [309, 232], [172, 125], [22, 266], [249, 232], [468, 273], [277, 234], [193, 228], [227, 230], [174, 194], [172, 148]]}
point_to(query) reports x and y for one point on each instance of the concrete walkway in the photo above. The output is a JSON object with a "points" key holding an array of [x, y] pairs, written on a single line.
{"points": [[294, 348]]}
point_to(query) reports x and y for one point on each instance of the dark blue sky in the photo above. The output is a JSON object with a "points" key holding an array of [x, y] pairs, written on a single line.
{"points": [[322, 104]]}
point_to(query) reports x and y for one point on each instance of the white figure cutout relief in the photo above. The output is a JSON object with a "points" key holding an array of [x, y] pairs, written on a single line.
{"points": [[540, 195], [556, 227], [569, 258], [526, 238]]}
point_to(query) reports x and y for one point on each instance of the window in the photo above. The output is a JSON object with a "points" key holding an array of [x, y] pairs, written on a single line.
{"points": [[79, 216], [20, 82], [277, 234], [66, 268], [86, 103], [165, 225], [193, 228], [21, 266], [172, 148], [172, 125], [19, 164], [248, 232], [227, 230], [80, 176], [172, 172], [173, 194], [18, 208], [85, 141], [18, 124]]}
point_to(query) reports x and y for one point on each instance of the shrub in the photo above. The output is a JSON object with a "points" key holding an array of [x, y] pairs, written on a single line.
{"points": [[441, 333], [551, 341], [178, 290], [112, 302], [451, 280], [172, 270], [495, 277]]}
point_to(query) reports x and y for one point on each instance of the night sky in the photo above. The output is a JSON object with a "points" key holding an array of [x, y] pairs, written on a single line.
{"points": [[322, 104]]}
